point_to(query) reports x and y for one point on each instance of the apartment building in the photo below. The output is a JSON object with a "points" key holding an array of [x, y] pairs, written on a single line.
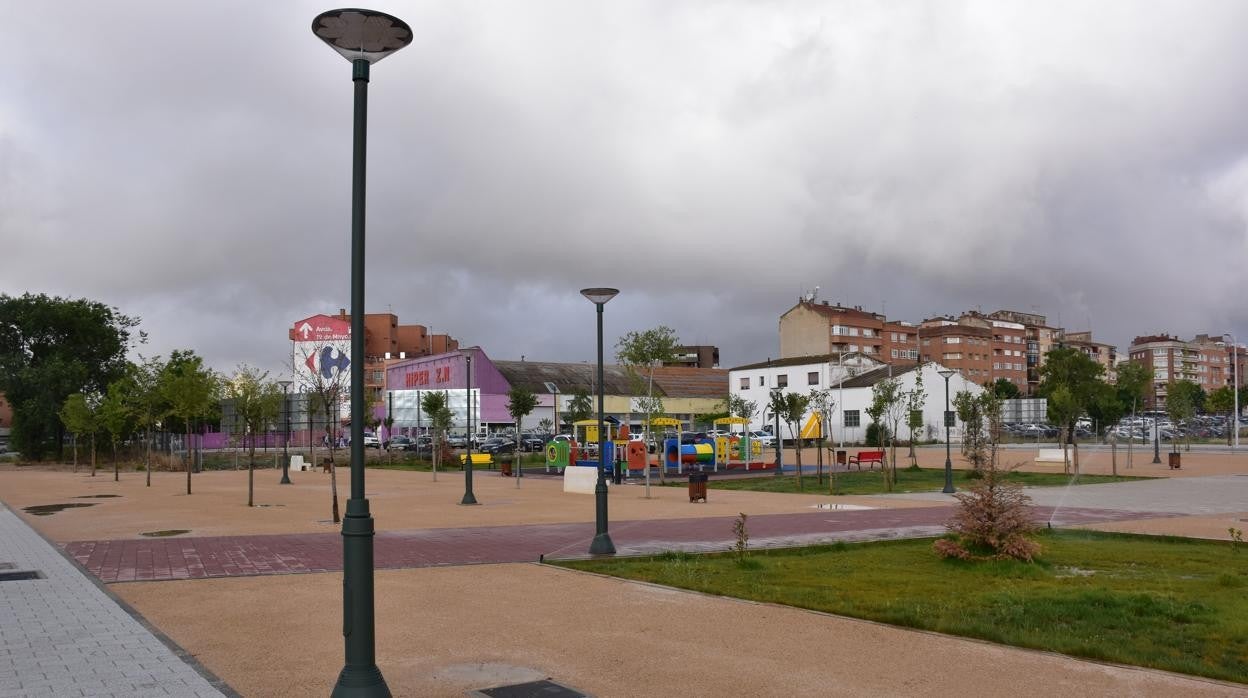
{"points": [[819, 328], [1040, 339], [696, 356], [1104, 354], [982, 349], [1202, 361]]}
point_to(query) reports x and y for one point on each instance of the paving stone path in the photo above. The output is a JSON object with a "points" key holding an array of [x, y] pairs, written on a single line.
{"points": [[62, 635], [233, 556]]}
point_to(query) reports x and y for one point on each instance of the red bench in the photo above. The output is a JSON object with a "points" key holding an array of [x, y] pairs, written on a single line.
{"points": [[866, 457]]}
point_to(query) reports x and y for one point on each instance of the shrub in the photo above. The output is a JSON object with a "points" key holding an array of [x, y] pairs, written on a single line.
{"points": [[877, 434], [991, 523]]}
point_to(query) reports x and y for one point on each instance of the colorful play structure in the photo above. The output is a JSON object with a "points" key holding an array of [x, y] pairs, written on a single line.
{"points": [[735, 451]]}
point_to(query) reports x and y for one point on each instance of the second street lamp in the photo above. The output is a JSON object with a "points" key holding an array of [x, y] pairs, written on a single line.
{"points": [[601, 544], [469, 497], [947, 374], [362, 37], [286, 434]]}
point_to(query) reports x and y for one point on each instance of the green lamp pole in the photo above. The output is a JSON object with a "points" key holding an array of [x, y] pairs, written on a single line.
{"points": [[947, 374], [286, 435], [362, 37], [469, 497], [601, 544]]}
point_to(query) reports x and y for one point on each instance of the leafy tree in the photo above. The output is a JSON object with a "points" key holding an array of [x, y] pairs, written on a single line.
{"points": [[433, 402], [821, 402], [1222, 400], [580, 407], [915, 400], [80, 414], [791, 407], [644, 351], [116, 415], [888, 405], [191, 391], [1182, 400], [1106, 409], [257, 403], [1004, 388], [1064, 409], [545, 425], [50, 348], [147, 403], [970, 411], [520, 404], [1081, 376]]}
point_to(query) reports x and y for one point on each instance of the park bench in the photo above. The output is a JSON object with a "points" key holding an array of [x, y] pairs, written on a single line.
{"points": [[477, 459], [1050, 455], [866, 457]]}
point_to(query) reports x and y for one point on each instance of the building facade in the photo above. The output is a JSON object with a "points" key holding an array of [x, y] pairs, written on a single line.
{"points": [[813, 328], [1203, 361], [696, 356]]}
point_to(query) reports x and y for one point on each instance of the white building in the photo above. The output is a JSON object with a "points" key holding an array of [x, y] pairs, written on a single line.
{"points": [[851, 379]]}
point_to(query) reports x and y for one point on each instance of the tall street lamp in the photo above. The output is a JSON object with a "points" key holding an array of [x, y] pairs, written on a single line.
{"points": [[362, 37], [775, 411], [1235, 374], [602, 544], [285, 436], [469, 497], [947, 374]]}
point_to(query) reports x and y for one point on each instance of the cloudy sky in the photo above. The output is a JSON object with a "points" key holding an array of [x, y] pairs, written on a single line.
{"points": [[189, 163]]}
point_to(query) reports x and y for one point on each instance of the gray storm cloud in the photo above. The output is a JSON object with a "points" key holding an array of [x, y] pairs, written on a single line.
{"points": [[190, 164]]}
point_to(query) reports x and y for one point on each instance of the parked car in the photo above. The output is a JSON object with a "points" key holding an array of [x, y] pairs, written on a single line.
{"points": [[371, 441], [402, 443], [456, 440], [532, 442], [497, 445], [764, 437]]}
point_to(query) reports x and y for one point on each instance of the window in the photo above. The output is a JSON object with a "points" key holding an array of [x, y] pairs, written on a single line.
{"points": [[894, 353], [812, 378], [996, 366], [851, 418], [762, 381], [953, 340], [745, 383], [868, 332], [893, 336], [782, 380], [904, 336], [952, 356], [853, 332]]}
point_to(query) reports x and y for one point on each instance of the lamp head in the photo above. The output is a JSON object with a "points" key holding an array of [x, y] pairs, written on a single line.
{"points": [[600, 296], [947, 373], [284, 384], [362, 34]]}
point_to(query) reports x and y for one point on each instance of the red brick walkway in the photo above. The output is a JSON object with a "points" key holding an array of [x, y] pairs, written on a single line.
{"points": [[236, 556]]}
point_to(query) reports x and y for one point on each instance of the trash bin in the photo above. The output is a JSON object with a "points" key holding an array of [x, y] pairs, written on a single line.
{"points": [[842, 457], [505, 468], [1176, 460], [697, 486]]}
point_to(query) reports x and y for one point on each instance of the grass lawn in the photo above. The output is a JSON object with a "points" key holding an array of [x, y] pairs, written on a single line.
{"points": [[872, 481], [1170, 603]]}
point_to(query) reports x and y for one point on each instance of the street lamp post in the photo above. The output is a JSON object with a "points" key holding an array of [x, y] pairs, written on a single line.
{"points": [[362, 37], [285, 436], [947, 374], [1235, 391], [469, 497], [775, 412], [601, 544]]}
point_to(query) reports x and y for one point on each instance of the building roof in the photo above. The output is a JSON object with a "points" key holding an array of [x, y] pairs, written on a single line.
{"points": [[875, 375], [802, 361], [669, 381], [836, 312]]}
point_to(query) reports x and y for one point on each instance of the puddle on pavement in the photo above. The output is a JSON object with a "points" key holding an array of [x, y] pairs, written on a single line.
{"points": [[96, 496], [165, 534], [50, 509], [269, 506]]}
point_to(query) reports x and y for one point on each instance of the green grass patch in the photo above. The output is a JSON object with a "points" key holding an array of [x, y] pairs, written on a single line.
{"points": [[908, 480], [1169, 603]]}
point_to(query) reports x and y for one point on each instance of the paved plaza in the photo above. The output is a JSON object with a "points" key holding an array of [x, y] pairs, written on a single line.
{"points": [[463, 604], [60, 635]]}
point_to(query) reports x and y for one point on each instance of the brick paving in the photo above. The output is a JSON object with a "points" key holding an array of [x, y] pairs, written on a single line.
{"points": [[235, 556], [61, 635]]}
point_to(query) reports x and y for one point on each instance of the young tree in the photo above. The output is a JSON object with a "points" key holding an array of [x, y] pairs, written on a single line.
{"points": [[1106, 409], [116, 416], [191, 390], [146, 403], [80, 415], [545, 425], [792, 407], [257, 402], [1222, 401], [1133, 381], [520, 404], [327, 388], [915, 400], [643, 352], [970, 411], [580, 407], [1063, 409], [992, 522], [433, 402], [888, 406], [1182, 401], [1080, 375], [50, 348], [822, 403]]}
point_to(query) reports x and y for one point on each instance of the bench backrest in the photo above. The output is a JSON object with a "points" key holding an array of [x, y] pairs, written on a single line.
{"points": [[870, 454]]}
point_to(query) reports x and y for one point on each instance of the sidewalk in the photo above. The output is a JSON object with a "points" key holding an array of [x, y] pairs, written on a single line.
{"points": [[61, 635]]}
